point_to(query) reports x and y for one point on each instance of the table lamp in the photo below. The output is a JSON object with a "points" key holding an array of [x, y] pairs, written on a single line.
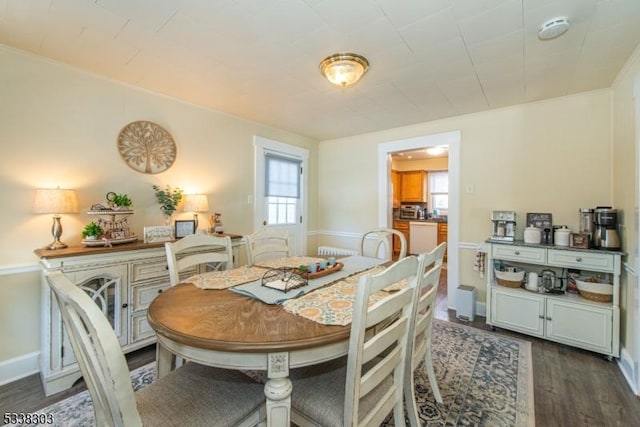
{"points": [[195, 203], [55, 201]]}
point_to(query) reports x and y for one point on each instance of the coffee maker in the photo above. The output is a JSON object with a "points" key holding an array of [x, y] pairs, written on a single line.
{"points": [[504, 226], [606, 224]]}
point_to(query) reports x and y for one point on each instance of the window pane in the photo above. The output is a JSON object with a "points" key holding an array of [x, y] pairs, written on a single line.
{"points": [[291, 213], [440, 201], [439, 182], [281, 210]]}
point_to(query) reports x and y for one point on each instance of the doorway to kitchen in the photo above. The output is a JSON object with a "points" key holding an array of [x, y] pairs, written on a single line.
{"points": [[452, 140]]}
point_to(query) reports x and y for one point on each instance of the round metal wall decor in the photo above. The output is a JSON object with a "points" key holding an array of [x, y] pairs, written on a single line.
{"points": [[146, 147]]}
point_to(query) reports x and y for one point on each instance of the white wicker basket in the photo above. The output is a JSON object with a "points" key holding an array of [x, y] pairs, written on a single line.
{"points": [[509, 279]]}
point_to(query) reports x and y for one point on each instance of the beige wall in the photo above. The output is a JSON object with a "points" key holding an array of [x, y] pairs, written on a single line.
{"points": [[58, 126], [625, 195], [552, 156]]}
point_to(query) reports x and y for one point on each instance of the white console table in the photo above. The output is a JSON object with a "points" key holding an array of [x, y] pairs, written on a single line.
{"points": [[123, 280], [566, 318]]}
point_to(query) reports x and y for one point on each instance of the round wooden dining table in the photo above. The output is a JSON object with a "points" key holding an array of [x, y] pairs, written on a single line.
{"points": [[225, 329]]}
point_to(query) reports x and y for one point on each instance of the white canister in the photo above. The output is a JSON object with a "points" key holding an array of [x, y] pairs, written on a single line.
{"points": [[532, 235], [561, 236], [532, 281]]}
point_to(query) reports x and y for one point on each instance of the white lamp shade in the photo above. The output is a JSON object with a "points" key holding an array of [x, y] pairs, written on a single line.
{"points": [[195, 203], [55, 201]]}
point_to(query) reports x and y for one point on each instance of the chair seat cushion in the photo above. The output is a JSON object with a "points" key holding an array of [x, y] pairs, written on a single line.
{"points": [[197, 395], [318, 393]]}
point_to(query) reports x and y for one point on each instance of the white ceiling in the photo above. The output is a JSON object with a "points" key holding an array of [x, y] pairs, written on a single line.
{"points": [[259, 59]]}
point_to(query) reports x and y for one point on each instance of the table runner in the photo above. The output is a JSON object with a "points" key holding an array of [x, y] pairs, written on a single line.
{"points": [[332, 305], [290, 262], [352, 265], [226, 278]]}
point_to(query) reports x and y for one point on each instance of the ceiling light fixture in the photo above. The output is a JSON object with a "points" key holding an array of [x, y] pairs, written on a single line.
{"points": [[553, 28], [344, 69]]}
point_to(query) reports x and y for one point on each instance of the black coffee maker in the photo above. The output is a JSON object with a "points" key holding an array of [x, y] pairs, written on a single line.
{"points": [[606, 228]]}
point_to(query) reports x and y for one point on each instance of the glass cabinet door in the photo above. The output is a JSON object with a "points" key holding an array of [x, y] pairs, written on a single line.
{"points": [[106, 287]]}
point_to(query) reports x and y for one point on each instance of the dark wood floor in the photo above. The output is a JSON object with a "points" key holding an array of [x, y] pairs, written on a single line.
{"points": [[571, 387]]}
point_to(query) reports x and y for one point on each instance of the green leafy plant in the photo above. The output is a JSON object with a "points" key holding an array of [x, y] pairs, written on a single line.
{"points": [[169, 198], [92, 229], [120, 200]]}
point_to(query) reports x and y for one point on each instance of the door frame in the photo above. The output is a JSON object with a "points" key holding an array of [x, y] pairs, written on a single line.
{"points": [[260, 145], [453, 140], [636, 256]]}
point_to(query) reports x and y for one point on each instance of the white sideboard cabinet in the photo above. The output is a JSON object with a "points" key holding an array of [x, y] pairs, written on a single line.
{"points": [[122, 280], [565, 318]]}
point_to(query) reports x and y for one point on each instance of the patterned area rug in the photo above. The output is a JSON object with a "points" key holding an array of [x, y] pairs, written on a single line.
{"points": [[485, 380]]}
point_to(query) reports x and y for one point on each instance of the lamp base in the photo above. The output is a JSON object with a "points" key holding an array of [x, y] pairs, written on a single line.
{"points": [[56, 244]]}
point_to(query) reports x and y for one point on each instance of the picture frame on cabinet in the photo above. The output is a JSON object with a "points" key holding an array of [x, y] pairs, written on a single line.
{"points": [[184, 228], [158, 233]]}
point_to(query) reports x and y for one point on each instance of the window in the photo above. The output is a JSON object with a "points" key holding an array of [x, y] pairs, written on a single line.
{"points": [[439, 191], [282, 188]]}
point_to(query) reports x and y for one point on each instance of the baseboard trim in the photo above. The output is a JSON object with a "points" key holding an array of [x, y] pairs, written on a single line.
{"points": [[629, 370], [14, 369]]}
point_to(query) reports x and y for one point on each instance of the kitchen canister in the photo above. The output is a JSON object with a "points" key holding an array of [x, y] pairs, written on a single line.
{"points": [[561, 236], [532, 235], [532, 281]]}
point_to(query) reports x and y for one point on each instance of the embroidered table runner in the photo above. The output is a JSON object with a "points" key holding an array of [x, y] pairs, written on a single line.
{"points": [[333, 305], [227, 278], [290, 262], [352, 265]]}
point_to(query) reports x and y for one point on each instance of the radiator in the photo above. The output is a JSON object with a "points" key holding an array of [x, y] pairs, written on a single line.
{"points": [[330, 250]]}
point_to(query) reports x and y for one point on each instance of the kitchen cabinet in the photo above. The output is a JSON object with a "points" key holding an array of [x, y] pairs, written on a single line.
{"points": [[396, 188], [403, 227], [565, 318], [122, 280], [414, 186], [443, 230]]}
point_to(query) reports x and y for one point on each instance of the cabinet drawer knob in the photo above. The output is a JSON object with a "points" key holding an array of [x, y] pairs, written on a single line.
{"points": [[541, 317], [125, 305], [578, 259], [160, 291], [549, 318], [517, 252]]}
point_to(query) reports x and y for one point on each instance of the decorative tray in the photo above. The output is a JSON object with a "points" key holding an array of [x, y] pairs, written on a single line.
{"points": [[284, 279], [330, 269], [109, 242]]}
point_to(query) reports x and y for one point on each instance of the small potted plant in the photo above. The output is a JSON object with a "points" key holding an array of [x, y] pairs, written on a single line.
{"points": [[119, 201], [169, 198], [91, 231]]}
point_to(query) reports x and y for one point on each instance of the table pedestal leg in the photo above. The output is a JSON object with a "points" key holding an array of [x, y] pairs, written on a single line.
{"points": [[278, 390], [164, 360]]}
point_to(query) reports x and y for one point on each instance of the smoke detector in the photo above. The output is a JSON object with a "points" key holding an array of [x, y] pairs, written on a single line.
{"points": [[553, 28]]}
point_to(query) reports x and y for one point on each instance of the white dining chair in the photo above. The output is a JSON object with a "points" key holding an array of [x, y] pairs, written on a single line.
{"points": [[378, 243], [366, 386], [421, 331], [197, 249], [267, 244], [188, 396]]}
